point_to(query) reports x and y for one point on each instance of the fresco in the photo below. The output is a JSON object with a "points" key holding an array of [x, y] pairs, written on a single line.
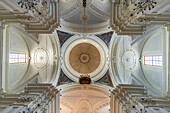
{"points": [[106, 37], [63, 79], [106, 80], [63, 36]]}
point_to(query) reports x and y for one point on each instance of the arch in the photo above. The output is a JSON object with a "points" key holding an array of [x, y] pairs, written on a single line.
{"points": [[88, 97]]}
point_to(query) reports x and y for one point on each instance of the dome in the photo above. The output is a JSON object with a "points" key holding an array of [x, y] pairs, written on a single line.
{"points": [[84, 55], [84, 58]]}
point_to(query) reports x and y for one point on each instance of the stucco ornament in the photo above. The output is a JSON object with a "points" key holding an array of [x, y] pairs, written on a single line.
{"points": [[128, 59]]}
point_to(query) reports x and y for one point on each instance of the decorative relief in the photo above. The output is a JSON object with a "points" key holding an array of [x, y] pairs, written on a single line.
{"points": [[41, 58], [114, 58], [128, 59]]}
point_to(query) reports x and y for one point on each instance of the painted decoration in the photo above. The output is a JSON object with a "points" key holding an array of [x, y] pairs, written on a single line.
{"points": [[106, 37], [63, 79], [63, 36], [106, 80]]}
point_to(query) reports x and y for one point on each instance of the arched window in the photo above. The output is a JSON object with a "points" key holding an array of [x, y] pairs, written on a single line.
{"points": [[153, 60], [15, 58]]}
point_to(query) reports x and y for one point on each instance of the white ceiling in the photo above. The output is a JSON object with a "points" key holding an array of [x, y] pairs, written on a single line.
{"points": [[85, 99]]}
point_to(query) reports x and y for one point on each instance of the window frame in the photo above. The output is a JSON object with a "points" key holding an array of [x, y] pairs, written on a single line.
{"points": [[153, 60], [17, 58]]}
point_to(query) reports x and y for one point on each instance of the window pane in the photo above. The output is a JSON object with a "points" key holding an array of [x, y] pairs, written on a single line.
{"points": [[153, 60], [17, 58]]}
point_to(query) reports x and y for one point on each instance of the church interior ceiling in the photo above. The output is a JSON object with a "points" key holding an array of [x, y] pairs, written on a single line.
{"points": [[111, 30], [112, 41]]}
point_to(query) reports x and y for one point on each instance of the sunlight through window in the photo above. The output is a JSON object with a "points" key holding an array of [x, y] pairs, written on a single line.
{"points": [[153, 60], [15, 58]]}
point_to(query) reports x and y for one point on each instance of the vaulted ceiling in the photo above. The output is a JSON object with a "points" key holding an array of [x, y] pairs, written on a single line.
{"points": [[70, 31], [100, 15], [97, 15]]}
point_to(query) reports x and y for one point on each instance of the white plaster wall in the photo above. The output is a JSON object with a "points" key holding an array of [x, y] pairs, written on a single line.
{"points": [[121, 51], [124, 44], [17, 75], [84, 99], [48, 73], [152, 77]]}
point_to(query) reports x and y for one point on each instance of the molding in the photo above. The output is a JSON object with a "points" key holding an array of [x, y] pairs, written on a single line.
{"points": [[6, 6], [99, 12], [124, 24], [70, 27], [113, 60], [36, 24], [93, 87], [20, 27], [70, 12], [58, 48], [149, 30]]}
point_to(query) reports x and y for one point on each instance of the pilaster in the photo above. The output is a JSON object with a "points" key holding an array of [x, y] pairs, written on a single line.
{"points": [[168, 75], [1, 53]]}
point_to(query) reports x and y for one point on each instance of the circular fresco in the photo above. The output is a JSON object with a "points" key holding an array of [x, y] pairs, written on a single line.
{"points": [[84, 58]]}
